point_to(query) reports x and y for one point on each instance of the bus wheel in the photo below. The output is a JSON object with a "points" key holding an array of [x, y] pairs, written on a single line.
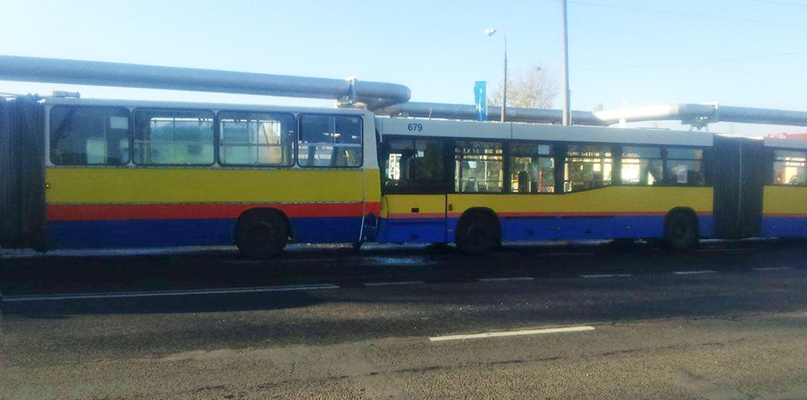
{"points": [[477, 233], [681, 231], [261, 233]]}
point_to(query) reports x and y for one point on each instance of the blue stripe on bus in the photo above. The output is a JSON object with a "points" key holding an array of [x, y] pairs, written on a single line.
{"points": [[196, 232], [420, 230], [784, 226], [538, 228]]}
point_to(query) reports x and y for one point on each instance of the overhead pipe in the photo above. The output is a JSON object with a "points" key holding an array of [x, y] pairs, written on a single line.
{"points": [[30, 69], [699, 115], [468, 112]]}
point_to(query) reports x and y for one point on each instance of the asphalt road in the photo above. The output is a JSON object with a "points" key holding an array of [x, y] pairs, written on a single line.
{"points": [[728, 322]]}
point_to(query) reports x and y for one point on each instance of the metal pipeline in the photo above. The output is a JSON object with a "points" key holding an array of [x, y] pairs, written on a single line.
{"points": [[468, 112], [382, 98], [30, 69], [699, 115]]}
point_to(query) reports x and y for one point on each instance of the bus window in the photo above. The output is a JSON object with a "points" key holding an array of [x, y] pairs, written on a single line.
{"points": [[89, 136], [684, 166], [587, 167], [330, 141], [478, 167], [532, 169], [789, 167], [642, 166], [173, 137], [414, 167], [258, 139]]}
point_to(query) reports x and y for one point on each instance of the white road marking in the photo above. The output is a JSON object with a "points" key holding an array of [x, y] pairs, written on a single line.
{"points": [[606, 276], [166, 293], [402, 283], [512, 333], [772, 269], [515, 278], [703, 271]]}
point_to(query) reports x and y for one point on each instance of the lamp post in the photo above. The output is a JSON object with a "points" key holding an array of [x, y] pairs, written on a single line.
{"points": [[490, 32]]}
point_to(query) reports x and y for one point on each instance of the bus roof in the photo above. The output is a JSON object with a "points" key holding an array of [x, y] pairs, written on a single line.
{"points": [[203, 106], [554, 133]]}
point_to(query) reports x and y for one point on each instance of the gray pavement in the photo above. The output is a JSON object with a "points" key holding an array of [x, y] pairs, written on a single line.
{"points": [[736, 332]]}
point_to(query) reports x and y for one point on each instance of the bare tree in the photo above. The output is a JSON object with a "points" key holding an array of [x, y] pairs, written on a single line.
{"points": [[533, 88]]}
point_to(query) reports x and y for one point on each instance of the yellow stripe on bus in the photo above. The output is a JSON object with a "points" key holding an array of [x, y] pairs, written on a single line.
{"points": [[784, 200], [615, 199], [189, 185], [608, 201]]}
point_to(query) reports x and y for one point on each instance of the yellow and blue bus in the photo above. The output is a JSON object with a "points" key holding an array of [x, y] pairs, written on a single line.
{"points": [[478, 184], [107, 174], [83, 173]]}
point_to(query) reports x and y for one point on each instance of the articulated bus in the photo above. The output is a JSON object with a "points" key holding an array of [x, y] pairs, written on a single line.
{"points": [[82, 173]]}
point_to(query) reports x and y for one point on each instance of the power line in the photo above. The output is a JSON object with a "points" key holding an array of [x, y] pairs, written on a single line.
{"points": [[685, 63], [687, 14]]}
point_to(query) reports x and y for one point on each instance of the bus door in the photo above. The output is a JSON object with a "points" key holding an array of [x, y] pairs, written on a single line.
{"points": [[738, 175], [414, 184]]}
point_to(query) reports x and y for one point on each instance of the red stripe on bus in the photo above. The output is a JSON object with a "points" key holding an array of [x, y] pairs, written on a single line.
{"points": [[581, 214], [107, 212], [416, 215]]}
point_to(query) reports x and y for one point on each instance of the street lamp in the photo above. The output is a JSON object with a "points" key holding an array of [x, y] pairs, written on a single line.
{"points": [[490, 32]]}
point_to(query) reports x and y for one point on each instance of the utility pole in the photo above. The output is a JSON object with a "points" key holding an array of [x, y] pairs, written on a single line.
{"points": [[567, 118]]}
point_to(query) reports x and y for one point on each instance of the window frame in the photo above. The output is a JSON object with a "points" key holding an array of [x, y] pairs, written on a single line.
{"points": [[129, 134], [616, 167], [447, 178], [213, 143], [510, 154], [456, 178], [662, 151], [297, 146], [776, 159], [218, 136], [701, 160]]}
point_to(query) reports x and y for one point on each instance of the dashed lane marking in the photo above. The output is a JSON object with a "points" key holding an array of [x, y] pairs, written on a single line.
{"points": [[509, 279], [172, 293], [401, 283], [512, 333], [595, 276], [700, 272]]}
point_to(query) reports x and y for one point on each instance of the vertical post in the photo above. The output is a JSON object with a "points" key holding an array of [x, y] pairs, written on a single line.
{"points": [[566, 102], [504, 91]]}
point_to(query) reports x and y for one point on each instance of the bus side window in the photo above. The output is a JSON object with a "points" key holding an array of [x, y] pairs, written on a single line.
{"points": [[587, 167], [684, 166], [173, 137], [256, 139], [333, 141], [789, 167], [478, 167], [414, 166], [89, 135]]}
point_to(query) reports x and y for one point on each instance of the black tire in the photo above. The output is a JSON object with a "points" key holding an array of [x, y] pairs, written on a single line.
{"points": [[261, 234], [477, 233], [681, 231]]}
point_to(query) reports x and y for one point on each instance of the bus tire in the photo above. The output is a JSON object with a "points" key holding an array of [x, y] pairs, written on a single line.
{"points": [[261, 233], [681, 230], [478, 233]]}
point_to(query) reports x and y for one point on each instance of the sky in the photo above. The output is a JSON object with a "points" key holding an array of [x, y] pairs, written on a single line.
{"points": [[743, 53]]}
